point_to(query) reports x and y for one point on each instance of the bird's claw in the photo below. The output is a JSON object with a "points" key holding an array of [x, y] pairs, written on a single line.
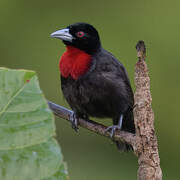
{"points": [[112, 130], [74, 121]]}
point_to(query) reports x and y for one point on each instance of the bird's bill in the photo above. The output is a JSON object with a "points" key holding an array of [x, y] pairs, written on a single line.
{"points": [[63, 34]]}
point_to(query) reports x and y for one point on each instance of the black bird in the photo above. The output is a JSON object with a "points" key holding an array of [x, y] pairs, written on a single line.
{"points": [[93, 81]]}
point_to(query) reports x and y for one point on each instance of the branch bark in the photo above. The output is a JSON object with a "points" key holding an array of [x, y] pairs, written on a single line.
{"points": [[148, 156], [93, 126], [144, 142]]}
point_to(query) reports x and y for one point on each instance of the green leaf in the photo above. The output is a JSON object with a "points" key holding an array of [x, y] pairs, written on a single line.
{"points": [[28, 150], [61, 174]]}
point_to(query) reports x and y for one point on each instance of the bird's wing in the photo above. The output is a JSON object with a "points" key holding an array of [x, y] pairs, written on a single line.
{"points": [[112, 76]]}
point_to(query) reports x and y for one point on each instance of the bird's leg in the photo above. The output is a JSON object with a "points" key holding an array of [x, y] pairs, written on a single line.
{"points": [[74, 118], [74, 121], [113, 128]]}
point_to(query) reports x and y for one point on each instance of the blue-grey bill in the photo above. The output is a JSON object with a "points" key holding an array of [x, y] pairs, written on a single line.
{"points": [[62, 34]]}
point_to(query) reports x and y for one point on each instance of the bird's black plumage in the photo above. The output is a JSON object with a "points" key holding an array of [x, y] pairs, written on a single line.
{"points": [[104, 90], [90, 43]]}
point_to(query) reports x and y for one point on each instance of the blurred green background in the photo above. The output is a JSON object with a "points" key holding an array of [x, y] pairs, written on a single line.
{"points": [[25, 42]]}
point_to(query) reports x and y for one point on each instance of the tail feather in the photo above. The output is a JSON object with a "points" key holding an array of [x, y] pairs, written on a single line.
{"points": [[123, 147]]}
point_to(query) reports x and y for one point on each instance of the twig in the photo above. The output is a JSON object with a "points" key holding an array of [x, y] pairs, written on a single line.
{"points": [[91, 125]]}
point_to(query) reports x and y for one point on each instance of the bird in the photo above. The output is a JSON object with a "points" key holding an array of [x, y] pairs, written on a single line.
{"points": [[93, 81]]}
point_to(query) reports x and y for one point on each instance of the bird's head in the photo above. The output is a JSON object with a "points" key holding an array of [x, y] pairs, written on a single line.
{"points": [[80, 35]]}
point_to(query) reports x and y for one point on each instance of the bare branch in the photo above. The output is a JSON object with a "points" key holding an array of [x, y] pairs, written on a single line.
{"points": [[148, 157], [91, 125]]}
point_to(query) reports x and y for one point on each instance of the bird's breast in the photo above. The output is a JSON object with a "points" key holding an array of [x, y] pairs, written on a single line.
{"points": [[74, 63]]}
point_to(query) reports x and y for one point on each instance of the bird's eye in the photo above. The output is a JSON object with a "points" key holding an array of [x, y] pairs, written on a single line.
{"points": [[80, 34]]}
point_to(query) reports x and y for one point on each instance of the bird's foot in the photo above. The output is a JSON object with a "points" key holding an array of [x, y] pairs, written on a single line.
{"points": [[112, 130], [74, 121]]}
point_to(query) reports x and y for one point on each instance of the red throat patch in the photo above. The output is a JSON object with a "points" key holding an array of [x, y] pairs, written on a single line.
{"points": [[74, 62]]}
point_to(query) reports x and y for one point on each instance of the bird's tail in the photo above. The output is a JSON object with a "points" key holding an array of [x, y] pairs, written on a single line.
{"points": [[123, 147]]}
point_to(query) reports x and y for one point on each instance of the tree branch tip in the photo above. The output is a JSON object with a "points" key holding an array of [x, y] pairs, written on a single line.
{"points": [[141, 50]]}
